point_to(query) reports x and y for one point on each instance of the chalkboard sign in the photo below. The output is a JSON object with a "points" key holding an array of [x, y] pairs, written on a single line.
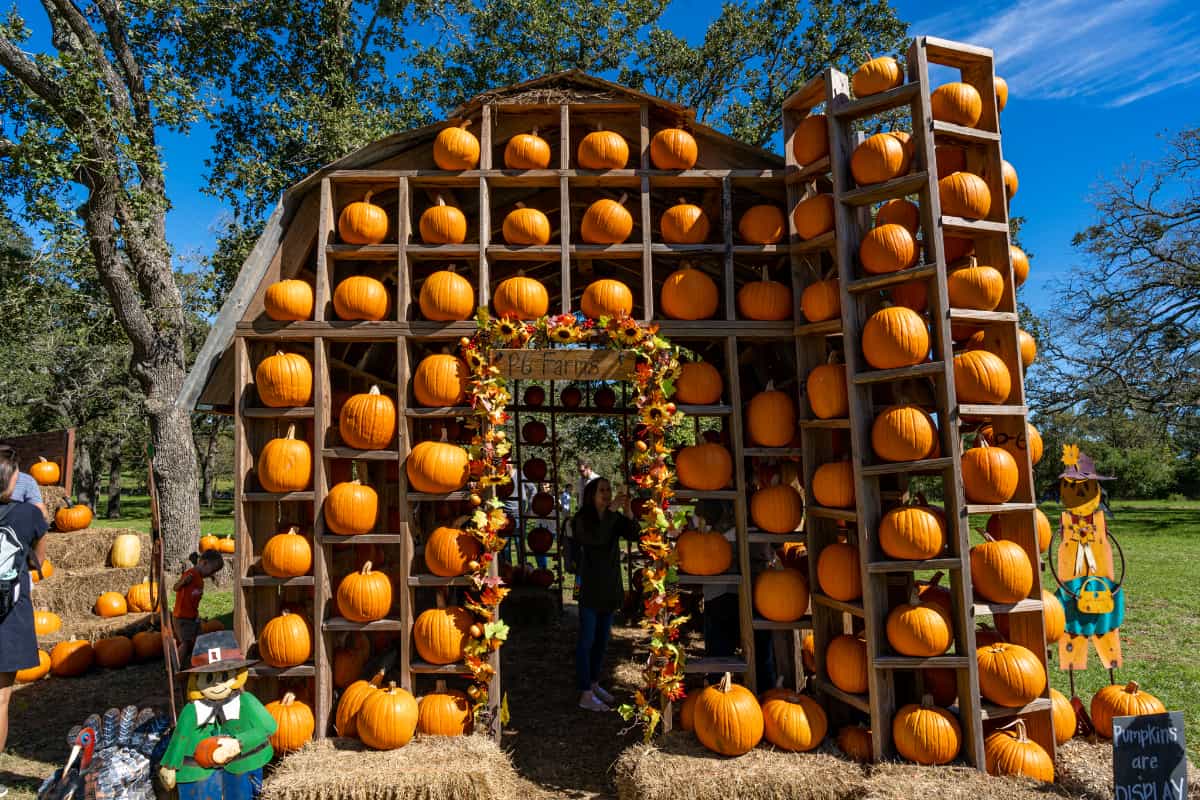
{"points": [[565, 365], [1149, 757]]}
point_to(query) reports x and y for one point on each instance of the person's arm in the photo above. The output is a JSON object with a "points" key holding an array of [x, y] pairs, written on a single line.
{"points": [[586, 533], [629, 528], [184, 580], [183, 740], [258, 724]]}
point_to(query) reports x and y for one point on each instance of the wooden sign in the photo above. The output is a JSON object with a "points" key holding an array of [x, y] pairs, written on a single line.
{"points": [[566, 365], [1149, 757]]}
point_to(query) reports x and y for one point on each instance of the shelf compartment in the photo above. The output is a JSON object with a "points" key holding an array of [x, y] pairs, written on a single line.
{"points": [[963, 133], [506, 252], [803, 624], [991, 609], [306, 412], [909, 662], [984, 410], [975, 316], [363, 538], [1000, 508], [878, 103], [960, 226], [425, 668], [277, 497], [838, 423], [876, 282], [908, 467], [859, 701], [885, 567], [360, 455], [697, 666], [343, 624], [992, 711], [900, 373], [363, 252], [267, 580], [896, 188], [433, 413], [825, 512], [262, 669]]}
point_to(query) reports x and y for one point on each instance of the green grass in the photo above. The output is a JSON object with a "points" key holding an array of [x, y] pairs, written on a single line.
{"points": [[1161, 632], [135, 514]]}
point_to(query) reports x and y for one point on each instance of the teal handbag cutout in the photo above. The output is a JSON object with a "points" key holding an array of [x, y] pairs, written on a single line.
{"points": [[1080, 623]]}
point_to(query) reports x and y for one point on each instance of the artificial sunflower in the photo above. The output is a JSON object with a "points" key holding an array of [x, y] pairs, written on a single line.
{"points": [[475, 360], [655, 414], [564, 334], [508, 329], [629, 333]]}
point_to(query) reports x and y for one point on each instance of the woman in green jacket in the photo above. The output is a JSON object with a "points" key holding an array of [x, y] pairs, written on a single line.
{"points": [[598, 530]]}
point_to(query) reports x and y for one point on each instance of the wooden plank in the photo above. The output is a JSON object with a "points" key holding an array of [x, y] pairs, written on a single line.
{"points": [[243, 460], [947, 564], [564, 365], [729, 289], [807, 97], [824, 512], [936, 662], [975, 228], [343, 624], [404, 443], [928, 369], [403, 234], [487, 126], [903, 186], [57, 447], [648, 248], [740, 510], [564, 233], [1000, 508], [806, 173], [964, 134], [322, 555], [854, 609], [841, 424], [991, 711], [324, 235], [877, 282], [362, 538], [697, 666], [991, 609], [859, 701], [925, 465], [267, 580], [983, 317], [276, 497], [988, 411], [724, 579], [276, 413], [875, 104], [485, 232], [361, 252], [802, 624]]}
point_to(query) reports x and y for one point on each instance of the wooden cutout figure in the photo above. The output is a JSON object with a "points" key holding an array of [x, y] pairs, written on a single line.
{"points": [[223, 737], [1088, 587]]}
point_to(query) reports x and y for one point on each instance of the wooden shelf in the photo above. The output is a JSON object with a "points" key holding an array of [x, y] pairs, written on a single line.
{"points": [[824, 512], [983, 410], [903, 186], [267, 580], [963, 133], [809, 171], [507, 252], [774, 249], [855, 608], [425, 668], [1001, 508], [859, 701], [277, 497], [278, 413], [363, 252], [364, 538], [841, 424], [958, 226], [1029, 604], [900, 373], [992, 711], [696, 666], [263, 670], [606, 250], [705, 411], [976, 317], [461, 494], [882, 567], [725, 579], [908, 662], [908, 467], [438, 580], [668, 249], [443, 251], [805, 623], [433, 413], [878, 103], [877, 282], [695, 494], [343, 624], [772, 452], [758, 536], [360, 455]]}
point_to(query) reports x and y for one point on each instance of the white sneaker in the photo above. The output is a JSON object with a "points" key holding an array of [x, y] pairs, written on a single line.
{"points": [[589, 702], [602, 694]]}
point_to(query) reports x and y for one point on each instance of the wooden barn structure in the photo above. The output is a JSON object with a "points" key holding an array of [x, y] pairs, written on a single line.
{"points": [[300, 240]]}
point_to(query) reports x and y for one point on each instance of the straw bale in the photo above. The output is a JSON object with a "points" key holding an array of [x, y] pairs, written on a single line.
{"points": [[678, 766], [428, 768], [89, 548], [890, 781], [54, 498], [92, 628], [1084, 769], [72, 593]]}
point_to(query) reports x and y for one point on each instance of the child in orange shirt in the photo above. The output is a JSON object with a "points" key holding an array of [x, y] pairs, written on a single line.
{"points": [[189, 589]]}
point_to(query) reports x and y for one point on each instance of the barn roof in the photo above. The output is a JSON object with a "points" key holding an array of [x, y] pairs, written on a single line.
{"points": [[570, 86]]}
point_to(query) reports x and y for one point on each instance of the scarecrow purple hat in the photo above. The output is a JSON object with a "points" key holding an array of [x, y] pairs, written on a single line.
{"points": [[216, 652], [1079, 465]]}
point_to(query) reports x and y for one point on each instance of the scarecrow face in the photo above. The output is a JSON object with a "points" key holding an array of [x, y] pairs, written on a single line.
{"points": [[1079, 497], [216, 686]]}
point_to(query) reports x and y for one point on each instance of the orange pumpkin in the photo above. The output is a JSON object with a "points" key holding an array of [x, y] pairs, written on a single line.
{"points": [[360, 298], [113, 652], [926, 734], [673, 148], [47, 473], [949, 158], [351, 508], [444, 713], [846, 663], [351, 703], [728, 719], [527, 151], [794, 722], [919, 629], [147, 645], [365, 595], [441, 633], [703, 552], [283, 380], [838, 572], [833, 485], [810, 140], [606, 298], [975, 286], [684, 223], [525, 226], [606, 222], [895, 337], [912, 295], [71, 658], [762, 224], [363, 222], [989, 474], [826, 391], [1009, 526], [603, 150], [981, 377], [1020, 264], [887, 248], [141, 597], [689, 294], [705, 467], [965, 194], [111, 604], [521, 298], [294, 723], [72, 518], [777, 509], [47, 570], [387, 719], [1001, 92], [1012, 752], [781, 595], [437, 467], [285, 641], [1010, 675], [1001, 571], [813, 217], [456, 148], [855, 743], [771, 418], [821, 300], [442, 224], [880, 158], [957, 103], [912, 533], [1064, 717], [446, 296], [899, 212], [35, 673], [368, 421], [875, 76], [440, 380], [449, 551], [1009, 173], [285, 465], [765, 300], [46, 622], [699, 383], [1122, 701], [903, 433]]}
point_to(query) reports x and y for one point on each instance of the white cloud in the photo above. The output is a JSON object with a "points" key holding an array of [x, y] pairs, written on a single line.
{"points": [[1112, 52]]}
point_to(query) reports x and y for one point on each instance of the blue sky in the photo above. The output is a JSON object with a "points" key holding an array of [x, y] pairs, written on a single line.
{"points": [[1093, 86]]}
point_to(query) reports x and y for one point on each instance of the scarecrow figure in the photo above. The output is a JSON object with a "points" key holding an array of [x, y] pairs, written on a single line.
{"points": [[1087, 584], [222, 739]]}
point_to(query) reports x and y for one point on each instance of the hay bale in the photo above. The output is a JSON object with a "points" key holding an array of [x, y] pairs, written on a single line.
{"points": [[89, 548], [72, 593], [1084, 769], [678, 766], [428, 768], [888, 781], [92, 628], [54, 498]]}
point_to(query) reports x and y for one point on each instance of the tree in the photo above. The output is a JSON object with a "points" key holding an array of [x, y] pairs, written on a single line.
{"points": [[83, 133], [1126, 339]]}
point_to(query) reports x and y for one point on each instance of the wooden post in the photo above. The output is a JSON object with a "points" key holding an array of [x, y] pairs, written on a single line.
{"points": [[322, 553]]}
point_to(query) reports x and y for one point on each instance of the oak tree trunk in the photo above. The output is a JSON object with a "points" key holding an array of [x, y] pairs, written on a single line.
{"points": [[85, 478], [113, 511]]}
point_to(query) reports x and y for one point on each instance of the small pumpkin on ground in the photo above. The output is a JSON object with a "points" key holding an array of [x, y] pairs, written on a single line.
{"points": [[926, 733]]}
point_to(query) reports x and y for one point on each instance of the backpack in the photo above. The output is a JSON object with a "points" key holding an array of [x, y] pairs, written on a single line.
{"points": [[12, 561]]}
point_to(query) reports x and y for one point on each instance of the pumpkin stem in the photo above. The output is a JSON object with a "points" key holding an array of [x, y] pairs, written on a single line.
{"points": [[294, 530], [927, 700], [374, 389], [376, 679], [683, 201], [936, 579], [726, 683], [1019, 725], [914, 596], [288, 699], [466, 123], [441, 201], [621, 200], [770, 386], [763, 276], [291, 431], [534, 131], [1132, 687], [519, 204], [367, 196], [41, 459], [366, 568], [444, 434], [391, 686]]}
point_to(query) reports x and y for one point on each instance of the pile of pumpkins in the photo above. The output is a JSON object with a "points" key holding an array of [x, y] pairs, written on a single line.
{"points": [[74, 657], [387, 718], [138, 599]]}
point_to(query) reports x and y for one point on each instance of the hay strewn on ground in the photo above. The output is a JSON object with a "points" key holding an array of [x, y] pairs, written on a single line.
{"points": [[53, 498], [429, 768], [93, 628], [677, 766], [72, 594], [88, 548]]}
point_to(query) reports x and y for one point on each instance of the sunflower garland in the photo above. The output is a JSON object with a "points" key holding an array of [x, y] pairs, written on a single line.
{"points": [[656, 367]]}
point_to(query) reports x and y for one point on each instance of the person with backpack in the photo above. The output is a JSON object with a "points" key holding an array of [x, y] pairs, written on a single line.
{"points": [[22, 547], [597, 531], [27, 490]]}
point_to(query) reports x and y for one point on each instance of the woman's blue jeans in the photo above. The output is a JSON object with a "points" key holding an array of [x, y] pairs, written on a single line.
{"points": [[595, 627]]}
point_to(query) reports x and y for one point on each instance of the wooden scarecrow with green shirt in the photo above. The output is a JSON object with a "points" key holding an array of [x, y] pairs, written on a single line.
{"points": [[1088, 586], [222, 739]]}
